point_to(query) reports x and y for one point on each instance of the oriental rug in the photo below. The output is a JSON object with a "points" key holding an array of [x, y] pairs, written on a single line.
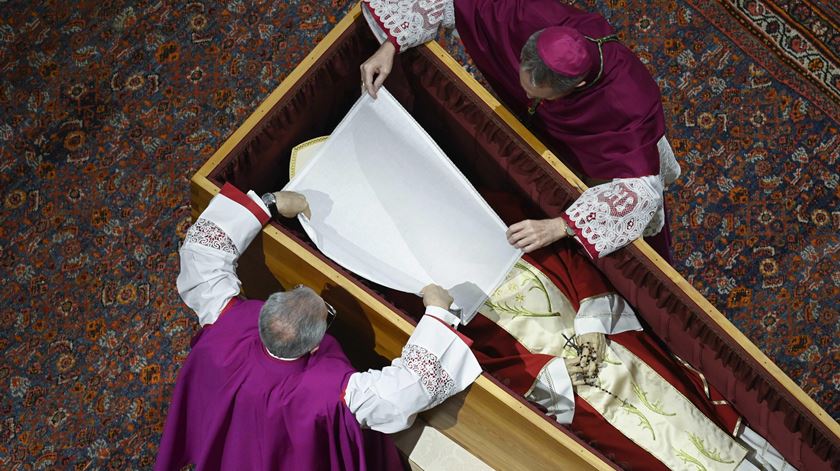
{"points": [[108, 107]]}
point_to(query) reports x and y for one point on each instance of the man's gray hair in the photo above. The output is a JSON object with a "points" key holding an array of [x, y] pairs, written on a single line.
{"points": [[541, 75], [292, 323]]}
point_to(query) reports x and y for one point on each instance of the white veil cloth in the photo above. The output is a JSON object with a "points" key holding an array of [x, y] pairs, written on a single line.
{"points": [[389, 205]]}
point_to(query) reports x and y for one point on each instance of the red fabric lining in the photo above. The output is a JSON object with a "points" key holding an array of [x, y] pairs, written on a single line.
{"points": [[237, 195], [501, 355], [764, 403], [344, 390]]}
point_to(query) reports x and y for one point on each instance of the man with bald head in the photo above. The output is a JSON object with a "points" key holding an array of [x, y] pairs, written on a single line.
{"points": [[265, 387]]}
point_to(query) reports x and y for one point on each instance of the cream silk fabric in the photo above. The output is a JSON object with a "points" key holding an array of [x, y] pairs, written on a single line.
{"points": [[388, 205], [640, 403]]}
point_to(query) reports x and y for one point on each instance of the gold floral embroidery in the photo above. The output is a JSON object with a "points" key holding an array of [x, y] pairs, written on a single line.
{"points": [[655, 406], [537, 283], [688, 459], [624, 378], [711, 454], [530, 281], [643, 421]]}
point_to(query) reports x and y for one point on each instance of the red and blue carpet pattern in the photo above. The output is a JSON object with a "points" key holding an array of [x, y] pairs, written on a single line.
{"points": [[108, 107]]}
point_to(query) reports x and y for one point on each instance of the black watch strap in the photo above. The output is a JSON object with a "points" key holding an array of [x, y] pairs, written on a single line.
{"points": [[271, 202]]}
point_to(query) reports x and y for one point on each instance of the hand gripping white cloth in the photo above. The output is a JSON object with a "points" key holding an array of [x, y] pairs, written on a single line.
{"points": [[388, 205]]}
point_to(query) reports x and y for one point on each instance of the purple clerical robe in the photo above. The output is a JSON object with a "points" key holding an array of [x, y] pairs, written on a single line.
{"points": [[608, 129], [236, 407], [611, 128]]}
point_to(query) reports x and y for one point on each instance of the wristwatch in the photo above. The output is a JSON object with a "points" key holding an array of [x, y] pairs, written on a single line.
{"points": [[271, 202], [569, 231]]}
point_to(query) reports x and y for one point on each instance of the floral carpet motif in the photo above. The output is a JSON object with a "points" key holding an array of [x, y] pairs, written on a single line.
{"points": [[107, 108]]}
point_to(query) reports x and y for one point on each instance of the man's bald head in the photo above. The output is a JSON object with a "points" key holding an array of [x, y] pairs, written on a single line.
{"points": [[293, 323]]}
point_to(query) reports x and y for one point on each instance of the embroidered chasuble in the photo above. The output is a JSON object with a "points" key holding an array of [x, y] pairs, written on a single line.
{"points": [[630, 395], [645, 410]]}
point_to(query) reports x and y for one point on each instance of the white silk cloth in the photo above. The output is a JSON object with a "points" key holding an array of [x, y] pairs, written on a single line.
{"points": [[389, 205]]}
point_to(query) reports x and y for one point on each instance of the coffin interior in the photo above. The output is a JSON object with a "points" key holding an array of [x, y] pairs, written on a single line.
{"points": [[497, 157]]}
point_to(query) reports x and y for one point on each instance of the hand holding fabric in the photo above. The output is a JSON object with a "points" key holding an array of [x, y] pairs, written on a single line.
{"points": [[530, 235], [434, 295], [376, 69], [290, 204]]}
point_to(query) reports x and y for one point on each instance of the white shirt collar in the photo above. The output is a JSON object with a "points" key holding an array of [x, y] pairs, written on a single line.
{"points": [[279, 358]]}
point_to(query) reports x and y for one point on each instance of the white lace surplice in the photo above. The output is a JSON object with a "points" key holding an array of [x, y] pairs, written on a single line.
{"points": [[408, 23], [389, 205]]}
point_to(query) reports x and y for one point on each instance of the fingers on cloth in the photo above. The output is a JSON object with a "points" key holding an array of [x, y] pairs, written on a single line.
{"points": [[367, 77], [518, 236]]}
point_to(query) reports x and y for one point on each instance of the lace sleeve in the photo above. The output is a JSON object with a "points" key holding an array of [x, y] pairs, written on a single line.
{"points": [[211, 248], [607, 217], [435, 364], [408, 23]]}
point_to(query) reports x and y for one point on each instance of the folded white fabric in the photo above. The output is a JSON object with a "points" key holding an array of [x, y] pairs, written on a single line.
{"points": [[388, 205]]}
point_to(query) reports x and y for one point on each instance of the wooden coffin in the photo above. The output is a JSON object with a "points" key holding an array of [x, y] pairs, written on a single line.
{"points": [[489, 144]]}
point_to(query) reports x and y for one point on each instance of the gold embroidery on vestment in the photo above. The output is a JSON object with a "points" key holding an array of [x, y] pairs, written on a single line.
{"points": [[711, 454], [635, 398]]}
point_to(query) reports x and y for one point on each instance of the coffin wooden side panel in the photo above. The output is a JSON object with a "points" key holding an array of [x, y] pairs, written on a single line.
{"points": [[507, 434]]}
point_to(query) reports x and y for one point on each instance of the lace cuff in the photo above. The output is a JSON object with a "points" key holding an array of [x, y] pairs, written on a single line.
{"points": [[453, 355], [207, 233], [408, 23], [607, 217], [208, 280], [239, 215], [435, 364], [435, 380]]}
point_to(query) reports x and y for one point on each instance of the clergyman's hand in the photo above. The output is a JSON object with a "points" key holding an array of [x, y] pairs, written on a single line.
{"points": [[530, 235], [376, 69], [576, 372], [290, 204], [434, 295], [595, 343]]}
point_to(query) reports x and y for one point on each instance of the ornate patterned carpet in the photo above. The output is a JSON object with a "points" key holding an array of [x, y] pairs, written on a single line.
{"points": [[108, 107]]}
